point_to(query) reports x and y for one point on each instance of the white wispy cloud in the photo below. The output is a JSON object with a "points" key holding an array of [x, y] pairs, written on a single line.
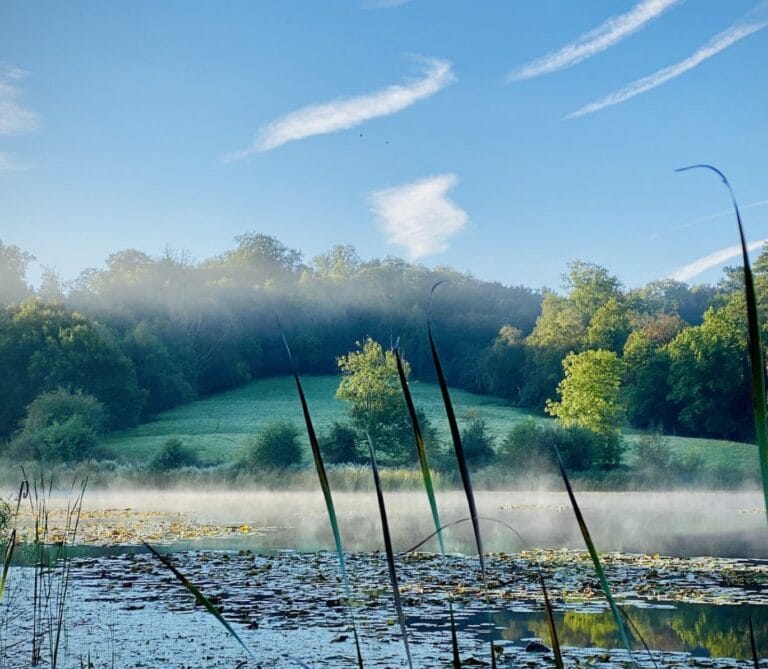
{"points": [[608, 33], [419, 216], [15, 118], [717, 44], [345, 113], [701, 265]]}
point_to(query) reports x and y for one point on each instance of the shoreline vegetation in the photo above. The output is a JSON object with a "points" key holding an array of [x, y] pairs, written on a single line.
{"points": [[111, 475]]}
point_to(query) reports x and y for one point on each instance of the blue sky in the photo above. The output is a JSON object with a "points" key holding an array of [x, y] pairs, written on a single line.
{"points": [[501, 138]]}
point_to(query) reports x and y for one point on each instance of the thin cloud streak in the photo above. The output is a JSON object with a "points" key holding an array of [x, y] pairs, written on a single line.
{"points": [[15, 118], [709, 217], [701, 265], [608, 33], [345, 113], [717, 44], [419, 216]]}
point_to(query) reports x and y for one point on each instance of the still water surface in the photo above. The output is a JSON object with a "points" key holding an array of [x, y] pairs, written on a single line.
{"points": [[128, 607]]}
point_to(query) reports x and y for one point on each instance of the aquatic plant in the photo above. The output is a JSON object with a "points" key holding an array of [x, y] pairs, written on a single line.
{"points": [[462, 464], [754, 343], [11, 522], [388, 550], [548, 611], [199, 596], [52, 564], [593, 554], [317, 457], [430, 489]]}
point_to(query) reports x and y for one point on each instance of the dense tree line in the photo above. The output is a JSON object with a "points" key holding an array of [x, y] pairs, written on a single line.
{"points": [[147, 333]]}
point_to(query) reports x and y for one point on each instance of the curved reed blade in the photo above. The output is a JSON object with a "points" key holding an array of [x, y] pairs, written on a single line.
{"points": [[209, 606], [7, 561], [420, 447], [551, 625], [547, 605], [23, 494], [317, 457], [754, 345], [388, 549], [639, 636], [595, 557], [456, 439], [753, 645], [200, 597], [430, 488], [462, 463]]}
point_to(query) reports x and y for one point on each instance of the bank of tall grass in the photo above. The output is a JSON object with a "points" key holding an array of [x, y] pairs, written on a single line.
{"points": [[110, 474]]}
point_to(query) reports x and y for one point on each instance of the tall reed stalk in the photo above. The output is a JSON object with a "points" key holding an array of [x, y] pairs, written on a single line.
{"points": [[199, 596], [11, 545], [388, 550], [754, 343], [322, 476], [430, 489], [53, 566], [595, 557], [461, 460]]}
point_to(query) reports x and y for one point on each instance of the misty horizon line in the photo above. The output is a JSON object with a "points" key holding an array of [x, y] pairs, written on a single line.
{"points": [[180, 259]]}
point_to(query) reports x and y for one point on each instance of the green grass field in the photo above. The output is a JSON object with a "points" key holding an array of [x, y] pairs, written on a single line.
{"points": [[713, 453], [219, 426]]}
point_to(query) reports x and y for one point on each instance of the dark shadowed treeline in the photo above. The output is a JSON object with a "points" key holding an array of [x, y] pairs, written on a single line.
{"points": [[148, 333], [145, 334]]}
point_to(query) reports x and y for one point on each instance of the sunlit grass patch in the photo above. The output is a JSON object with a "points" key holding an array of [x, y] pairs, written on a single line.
{"points": [[217, 427]]}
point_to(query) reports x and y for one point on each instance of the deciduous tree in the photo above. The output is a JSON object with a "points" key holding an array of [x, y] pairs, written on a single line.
{"points": [[590, 392]]}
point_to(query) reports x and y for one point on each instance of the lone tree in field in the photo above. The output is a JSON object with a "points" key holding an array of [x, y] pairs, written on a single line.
{"points": [[590, 398], [371, 385]]}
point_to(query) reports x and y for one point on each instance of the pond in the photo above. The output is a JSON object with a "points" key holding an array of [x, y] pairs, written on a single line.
{"points": [[262, 558]]}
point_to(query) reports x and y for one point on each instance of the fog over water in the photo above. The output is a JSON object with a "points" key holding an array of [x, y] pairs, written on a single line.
{"points": [[685, 523]]}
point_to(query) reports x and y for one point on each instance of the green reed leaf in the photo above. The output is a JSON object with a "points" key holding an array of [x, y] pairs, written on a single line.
{"points": [[388, 549], [753, 645], [754, 344], [7, 561], [325, 486], [461, 460], [202, 599], [430, 488], [595, 557]]}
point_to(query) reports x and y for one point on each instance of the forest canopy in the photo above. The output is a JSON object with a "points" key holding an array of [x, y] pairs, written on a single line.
{"points": [[147, 333]]}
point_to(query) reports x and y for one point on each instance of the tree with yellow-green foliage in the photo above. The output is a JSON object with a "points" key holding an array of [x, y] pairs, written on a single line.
{"points": [[371, 385], [590, 397]]}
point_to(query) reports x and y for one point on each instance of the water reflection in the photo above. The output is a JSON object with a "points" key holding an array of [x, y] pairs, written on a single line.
{"points": [[703, 630]]}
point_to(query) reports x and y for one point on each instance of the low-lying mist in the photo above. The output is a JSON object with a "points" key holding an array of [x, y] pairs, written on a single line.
{"points": [[685, 523]]}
